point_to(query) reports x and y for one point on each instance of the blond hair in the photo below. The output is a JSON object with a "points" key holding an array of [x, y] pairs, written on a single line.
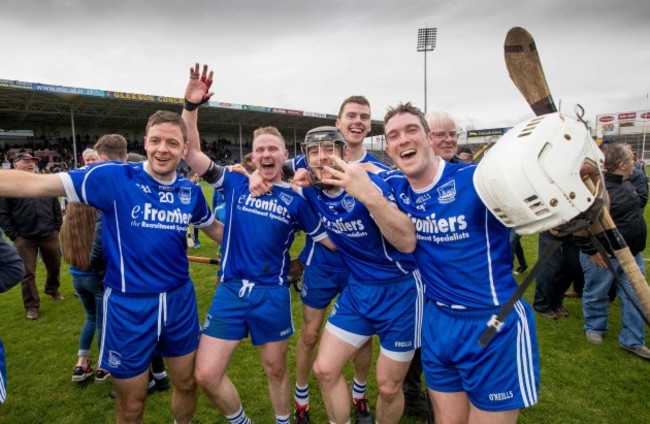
{"points": [[271, 131]]}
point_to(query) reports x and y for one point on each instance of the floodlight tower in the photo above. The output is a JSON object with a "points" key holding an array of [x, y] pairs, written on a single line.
{"points": [[426, 43]]}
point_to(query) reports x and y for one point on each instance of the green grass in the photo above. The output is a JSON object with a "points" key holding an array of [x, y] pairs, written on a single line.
{"points": [[580, 382]]}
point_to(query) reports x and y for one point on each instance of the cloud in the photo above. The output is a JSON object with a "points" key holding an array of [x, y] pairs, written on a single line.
{"points": [[311, 55]]}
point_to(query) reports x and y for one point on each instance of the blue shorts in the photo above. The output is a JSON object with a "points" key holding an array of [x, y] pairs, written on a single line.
{"points": [[392, 310], [3, 375], [502, 376], [240, 308], [320, 286], [137, 326]]}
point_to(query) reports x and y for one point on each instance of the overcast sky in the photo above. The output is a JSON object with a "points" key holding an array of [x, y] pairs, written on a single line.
{"points": [[311, 54]]}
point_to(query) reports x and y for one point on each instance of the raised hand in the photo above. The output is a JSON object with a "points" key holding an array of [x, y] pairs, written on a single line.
{"points": [[198, 87]]}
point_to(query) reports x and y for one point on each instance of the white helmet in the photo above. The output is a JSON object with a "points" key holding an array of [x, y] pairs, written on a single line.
{"points": [[530, 179]]}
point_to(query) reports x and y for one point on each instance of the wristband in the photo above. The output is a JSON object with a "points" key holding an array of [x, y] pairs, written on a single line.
{"points": [[190, 106], [213, 173]]}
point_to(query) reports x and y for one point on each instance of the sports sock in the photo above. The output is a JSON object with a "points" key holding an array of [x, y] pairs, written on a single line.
{"points": [[238, 417], [282, 419], [157, 364], [358, 389], [301, 395]]}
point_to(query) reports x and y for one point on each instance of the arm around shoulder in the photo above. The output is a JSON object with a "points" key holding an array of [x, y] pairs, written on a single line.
{"points": [[394, 224], [214, 231], [17, 183]]}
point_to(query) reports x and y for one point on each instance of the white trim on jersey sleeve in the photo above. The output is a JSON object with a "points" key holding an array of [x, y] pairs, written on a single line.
{"points": [[205, 220], [320, 236], [219, 183], [316, 232], [70, 191]]}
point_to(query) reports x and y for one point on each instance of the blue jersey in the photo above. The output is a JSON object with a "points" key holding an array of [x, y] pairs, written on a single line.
{"points": [[365, 251], [259, 231], [145, 223], [463, 251], [315, 253], [217, 198]]}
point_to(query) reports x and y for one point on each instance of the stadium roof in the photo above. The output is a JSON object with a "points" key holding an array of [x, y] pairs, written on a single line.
{"points": [[39, 107]]}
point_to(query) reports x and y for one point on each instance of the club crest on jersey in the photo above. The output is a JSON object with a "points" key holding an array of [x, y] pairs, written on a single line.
{"points": [[185, 195], [447, 192], [348, 202], [405, 198], [286, 199]]}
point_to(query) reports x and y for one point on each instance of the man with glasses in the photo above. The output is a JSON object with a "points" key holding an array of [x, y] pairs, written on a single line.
{"points": [[445, 135]]}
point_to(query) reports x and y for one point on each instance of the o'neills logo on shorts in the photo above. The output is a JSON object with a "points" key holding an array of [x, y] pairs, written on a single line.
{"points": [[498, 397]]}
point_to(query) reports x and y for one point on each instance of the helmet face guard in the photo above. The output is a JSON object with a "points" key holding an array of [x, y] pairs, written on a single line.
{"points": [[530, 179], [319, 146]]}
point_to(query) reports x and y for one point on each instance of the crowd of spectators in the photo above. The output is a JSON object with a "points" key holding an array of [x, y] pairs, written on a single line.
{"points": [[56, 154]]}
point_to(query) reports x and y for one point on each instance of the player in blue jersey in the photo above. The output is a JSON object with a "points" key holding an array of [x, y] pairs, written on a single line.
{"points": [[253, 297], [383, 294], [326, 275], [464, 257], [444, 133], [325, 272], [354, 123], [148, 306]]}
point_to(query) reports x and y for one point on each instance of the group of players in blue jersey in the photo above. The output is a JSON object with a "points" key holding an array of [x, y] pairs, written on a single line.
{"points": [[398, 234], [410, 255]]}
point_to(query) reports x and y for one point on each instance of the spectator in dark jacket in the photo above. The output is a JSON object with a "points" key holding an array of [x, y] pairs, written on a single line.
{"points": [[11, 272], [33, 225], [626, 210], [640, 182]]}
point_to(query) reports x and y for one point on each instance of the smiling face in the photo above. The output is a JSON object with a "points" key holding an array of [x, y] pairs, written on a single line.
{"points": [[444, 135], [320, 154], [165, 146], [269, 153], [354, 123], [28, 165], [91, 159], [408, 145]]}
